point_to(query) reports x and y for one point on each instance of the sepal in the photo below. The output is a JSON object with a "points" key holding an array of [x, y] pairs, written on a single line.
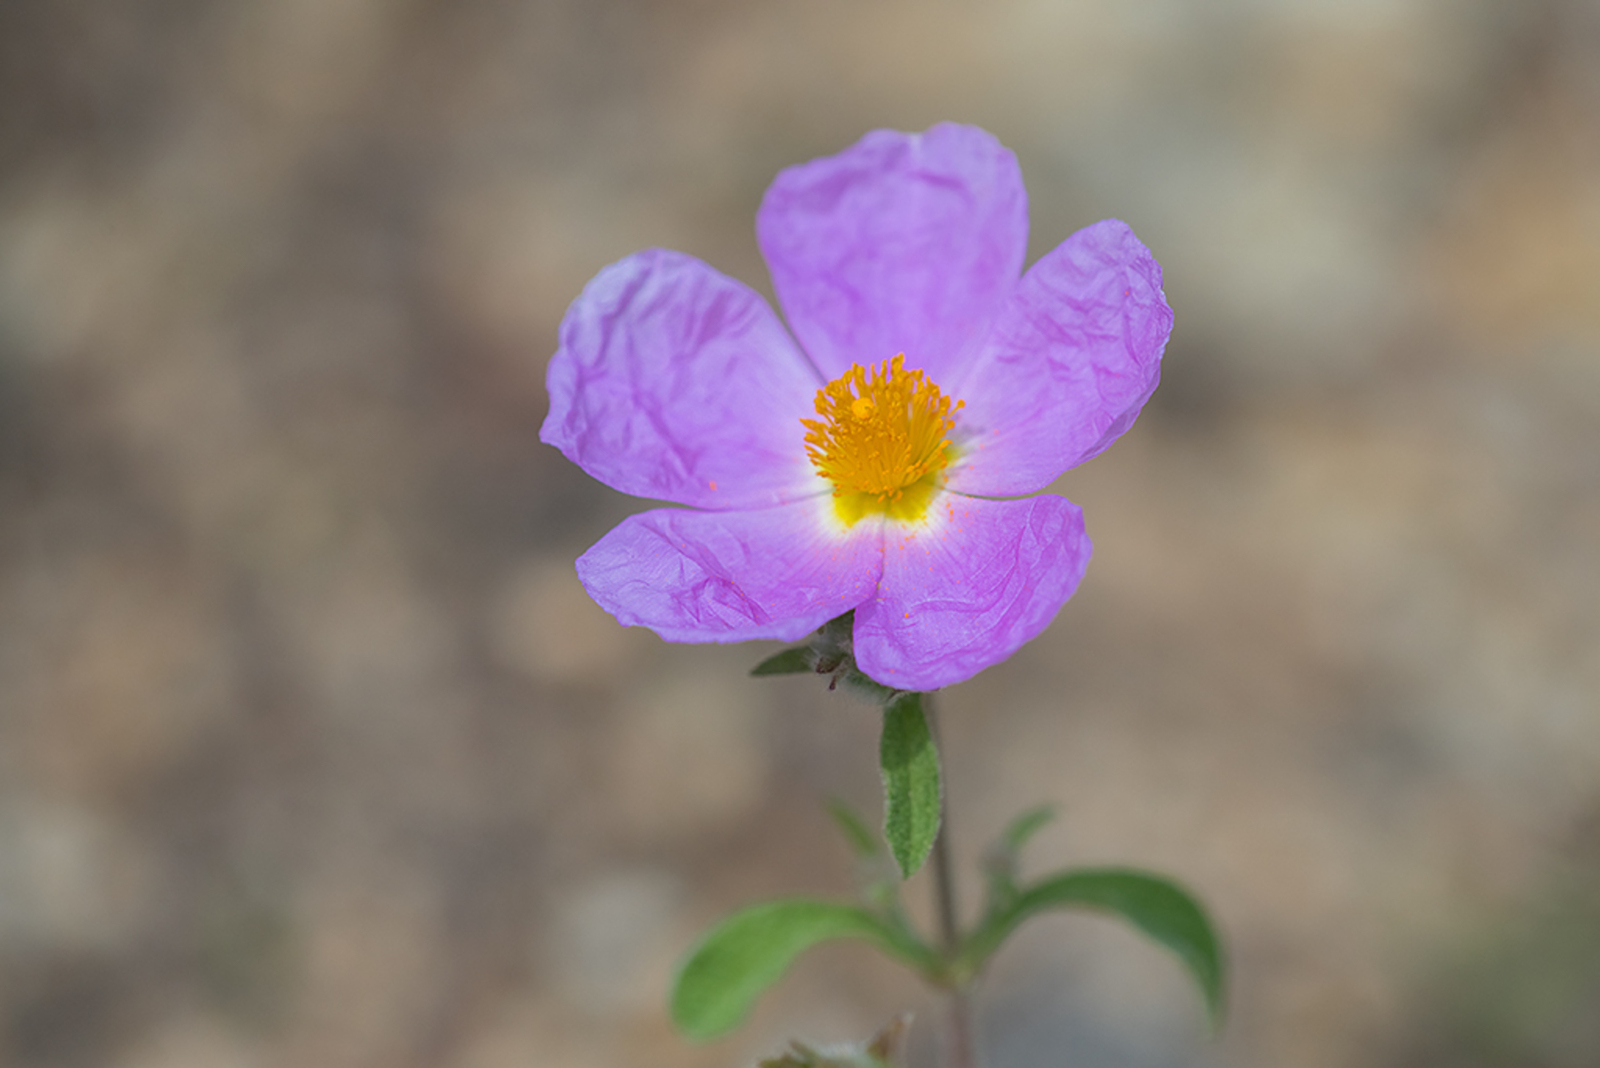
{"points": [[829, 651], [795, 660]]}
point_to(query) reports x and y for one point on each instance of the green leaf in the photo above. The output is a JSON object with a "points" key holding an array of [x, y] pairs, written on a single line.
{"points": [[750, 950], [854, 828], [911, 788], [1024, 827], [797, 660], [1155, 905], [1001, 861], [877, 878]]}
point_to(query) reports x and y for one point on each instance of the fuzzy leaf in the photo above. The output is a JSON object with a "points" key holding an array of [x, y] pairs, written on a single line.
{"points": [[750, 950], [911, 786], [1155, 905]]}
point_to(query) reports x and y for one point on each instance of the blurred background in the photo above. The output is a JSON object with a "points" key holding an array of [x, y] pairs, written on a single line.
{"points": [[314, 753]]}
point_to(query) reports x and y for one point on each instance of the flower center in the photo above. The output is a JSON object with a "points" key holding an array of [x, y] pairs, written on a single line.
{"points": [[883, 439]]}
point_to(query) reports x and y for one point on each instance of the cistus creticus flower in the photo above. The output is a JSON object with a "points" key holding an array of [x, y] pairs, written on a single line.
{"points": [[889, 463]]}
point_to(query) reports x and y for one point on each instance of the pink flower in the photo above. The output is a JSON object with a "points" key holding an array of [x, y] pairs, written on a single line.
{"points": [[884, 464]]}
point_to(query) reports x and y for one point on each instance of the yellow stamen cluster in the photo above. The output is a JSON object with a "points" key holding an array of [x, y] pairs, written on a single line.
{"points": [[883, 439]]}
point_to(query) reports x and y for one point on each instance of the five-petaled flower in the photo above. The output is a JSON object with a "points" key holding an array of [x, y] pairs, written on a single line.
{"points": [[886, 463]]}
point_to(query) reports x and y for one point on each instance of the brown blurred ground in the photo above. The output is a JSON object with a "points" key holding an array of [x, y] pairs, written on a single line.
{"points": [[313, 753]]}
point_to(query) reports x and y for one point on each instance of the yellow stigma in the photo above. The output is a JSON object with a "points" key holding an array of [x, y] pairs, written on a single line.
{"points": [[883, 439]]}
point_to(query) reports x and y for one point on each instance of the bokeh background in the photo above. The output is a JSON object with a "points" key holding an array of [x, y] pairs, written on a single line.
{"points": [[314, 754]]}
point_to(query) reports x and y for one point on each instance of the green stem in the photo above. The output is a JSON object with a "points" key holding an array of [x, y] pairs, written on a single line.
{"points": [[961, 1050]]}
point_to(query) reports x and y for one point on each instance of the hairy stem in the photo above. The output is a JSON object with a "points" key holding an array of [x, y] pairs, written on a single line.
{"points": [[960, 1053]]}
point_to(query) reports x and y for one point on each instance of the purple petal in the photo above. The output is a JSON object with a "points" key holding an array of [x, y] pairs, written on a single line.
{"points": [[678, 383], [1071, 359], [901, 243], [733, 576], [969, 589]]}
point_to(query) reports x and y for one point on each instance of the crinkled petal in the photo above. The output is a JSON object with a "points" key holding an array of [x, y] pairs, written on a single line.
{"points": [[901, 243], [732, 576], [969, 588], [1070, 361], [678, 383]]}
